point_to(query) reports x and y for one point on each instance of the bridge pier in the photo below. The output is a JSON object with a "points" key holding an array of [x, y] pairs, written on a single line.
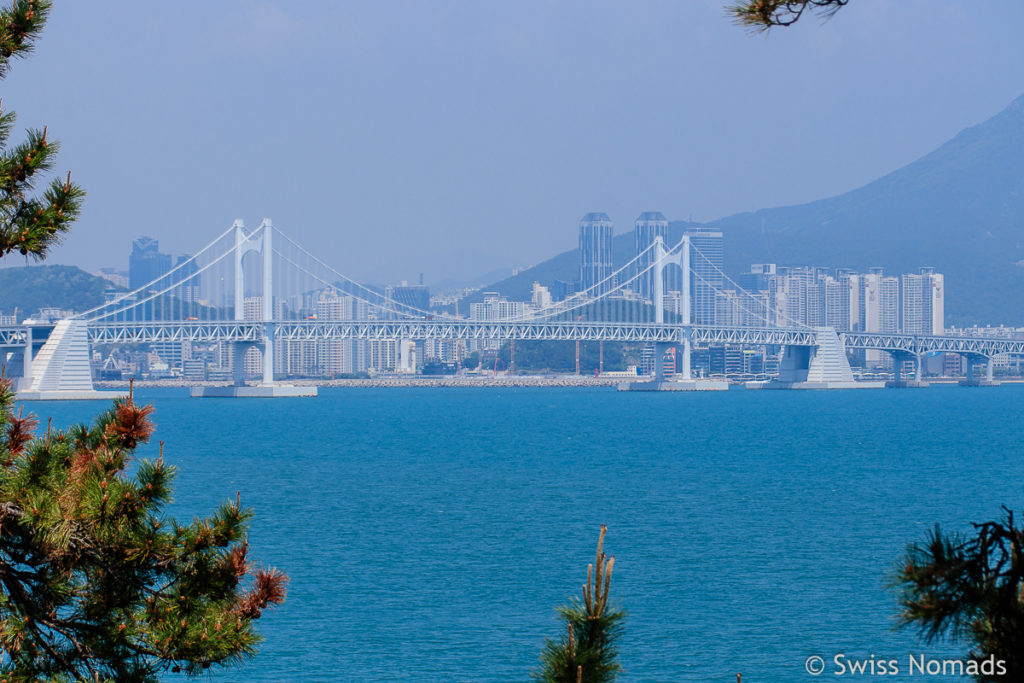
{"points": [[62, 370], [897, 382], [970, 361], [682, 380], [822, 366]]}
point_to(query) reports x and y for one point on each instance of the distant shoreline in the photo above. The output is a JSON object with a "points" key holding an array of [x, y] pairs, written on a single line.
{"points": [[451, 381], [414, 381]]}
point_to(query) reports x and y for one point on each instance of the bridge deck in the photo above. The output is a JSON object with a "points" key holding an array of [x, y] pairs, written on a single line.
{"points": [[309, 330]]}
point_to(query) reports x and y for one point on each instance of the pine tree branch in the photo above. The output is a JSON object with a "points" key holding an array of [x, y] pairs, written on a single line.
{"points": [[20, 25], [761, 15]]}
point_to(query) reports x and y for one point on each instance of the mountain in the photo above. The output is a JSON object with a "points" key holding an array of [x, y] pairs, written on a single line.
{"points": [[959, 208], [29, 288]]}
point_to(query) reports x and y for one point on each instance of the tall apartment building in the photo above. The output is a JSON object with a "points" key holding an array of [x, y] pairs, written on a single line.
{"points": [[649, 226], [924, 303], [496, 307], [493, 307], [383, 355], [595, 250], [341, 356], [706, 262], [847, 300]]}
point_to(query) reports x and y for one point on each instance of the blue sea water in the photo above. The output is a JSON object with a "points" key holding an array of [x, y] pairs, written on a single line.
{"points": [[429, 533]]}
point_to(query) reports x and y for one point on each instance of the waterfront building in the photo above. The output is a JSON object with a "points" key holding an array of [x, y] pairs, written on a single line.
{"points": [[383, 355], [300, 357], [340, 356], [846, 301], [193, 370], [595, 250], [493, 307], [706, 263], [923, 303], [146, 263]]}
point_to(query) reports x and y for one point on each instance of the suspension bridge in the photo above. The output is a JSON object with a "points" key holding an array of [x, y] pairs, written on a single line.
{"points": [[259, 295]]}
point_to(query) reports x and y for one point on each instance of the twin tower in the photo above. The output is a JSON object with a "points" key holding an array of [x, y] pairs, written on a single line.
{"points": [[596, 262]]}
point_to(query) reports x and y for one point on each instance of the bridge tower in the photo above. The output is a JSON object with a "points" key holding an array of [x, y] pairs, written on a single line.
{"points": [[680, 257], [260, 242]]}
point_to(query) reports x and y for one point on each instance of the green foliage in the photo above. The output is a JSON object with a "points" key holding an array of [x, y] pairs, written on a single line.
{"points": [[560, 356], [761, 15], [29, 224], [970, 589], [29, 288], [95, 582], [588, 652], [471, 361]]}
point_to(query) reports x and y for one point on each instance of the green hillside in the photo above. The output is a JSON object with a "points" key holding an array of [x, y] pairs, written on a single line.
{"points": [[29, 288]]}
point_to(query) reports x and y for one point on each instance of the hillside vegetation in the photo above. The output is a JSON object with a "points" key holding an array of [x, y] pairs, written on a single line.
{"points": [[29, 288]]}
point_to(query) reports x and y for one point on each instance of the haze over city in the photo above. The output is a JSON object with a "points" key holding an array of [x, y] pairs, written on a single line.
{"points": [[405, 304], [457, 139]]}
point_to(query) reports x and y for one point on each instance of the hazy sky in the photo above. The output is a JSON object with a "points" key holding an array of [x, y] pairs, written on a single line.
{"points": [[454, 138]]}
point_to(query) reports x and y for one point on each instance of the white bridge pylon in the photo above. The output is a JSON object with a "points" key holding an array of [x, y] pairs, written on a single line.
{"points": [[259, 241], [680, 256]]}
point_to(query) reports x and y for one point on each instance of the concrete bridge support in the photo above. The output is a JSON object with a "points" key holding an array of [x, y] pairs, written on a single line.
{"points": [[823, 366], [898, 382], [62, 370], [971, 361]]}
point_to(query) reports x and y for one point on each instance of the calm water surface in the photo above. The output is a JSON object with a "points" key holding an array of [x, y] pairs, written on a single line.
{"points": [[429, 534]]}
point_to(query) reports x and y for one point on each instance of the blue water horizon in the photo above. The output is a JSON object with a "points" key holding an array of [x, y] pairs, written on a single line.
{"points": [[430, 533]]}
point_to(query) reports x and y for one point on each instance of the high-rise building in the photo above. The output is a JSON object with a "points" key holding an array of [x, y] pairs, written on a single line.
{"points": [[924, 303], [835, 303], [383, 355], [649, 226], [341, 356], [412, 296], [707, 249], [889, 305], [146, 263], [879, 300], [595, 251]]}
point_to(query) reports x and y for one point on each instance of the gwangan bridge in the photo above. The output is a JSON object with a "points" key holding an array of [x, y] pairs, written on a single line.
{"points": [[257, 290]]}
